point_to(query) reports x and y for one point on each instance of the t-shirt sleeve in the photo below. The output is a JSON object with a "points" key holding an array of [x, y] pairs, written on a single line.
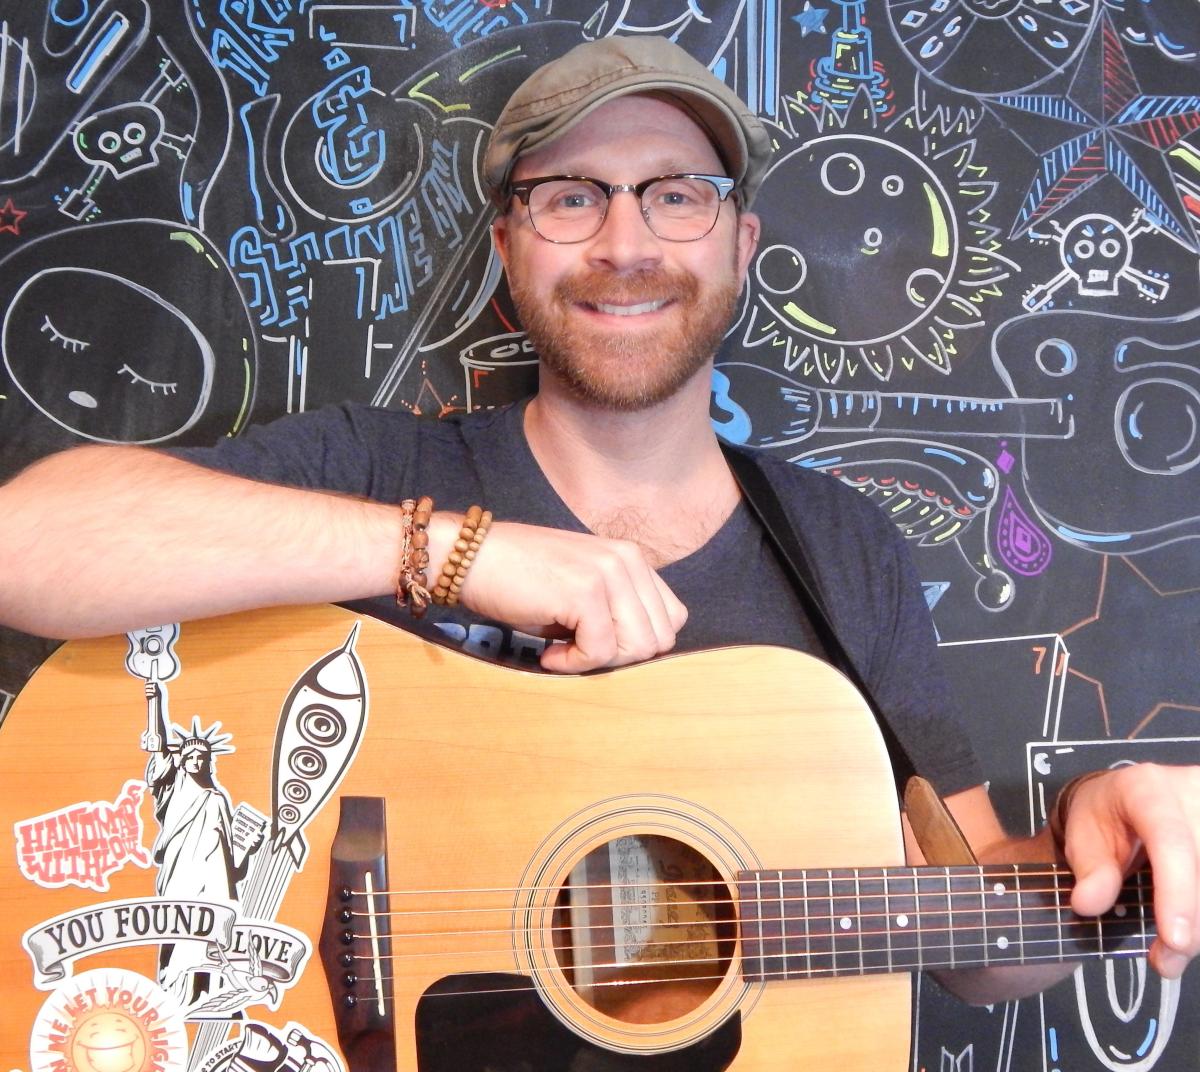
{"points": [[335, 448]]}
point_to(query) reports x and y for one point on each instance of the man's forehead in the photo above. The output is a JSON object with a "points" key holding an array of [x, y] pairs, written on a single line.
{"points": [[661, 132]]}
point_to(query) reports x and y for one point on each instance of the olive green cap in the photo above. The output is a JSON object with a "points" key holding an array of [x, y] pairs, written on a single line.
{"points": [[564, 91]]}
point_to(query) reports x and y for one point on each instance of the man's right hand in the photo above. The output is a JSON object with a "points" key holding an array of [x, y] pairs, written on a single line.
{"points": [[600, 595]]}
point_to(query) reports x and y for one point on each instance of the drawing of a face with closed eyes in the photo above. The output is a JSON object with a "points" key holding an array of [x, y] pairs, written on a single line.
{"points": [[106, 358]]}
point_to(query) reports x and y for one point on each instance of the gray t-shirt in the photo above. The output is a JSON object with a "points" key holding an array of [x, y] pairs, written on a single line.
{"points": [[733, 586]]}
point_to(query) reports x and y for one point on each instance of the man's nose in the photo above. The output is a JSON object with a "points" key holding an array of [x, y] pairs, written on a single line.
{"points": [[625, 240]]}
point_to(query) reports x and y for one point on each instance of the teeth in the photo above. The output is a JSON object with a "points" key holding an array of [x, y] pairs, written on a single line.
{"points": [[629, 310]]}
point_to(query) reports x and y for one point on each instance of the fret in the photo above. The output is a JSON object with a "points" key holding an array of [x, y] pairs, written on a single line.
{"points": [[934, 911], [797, 923], [1041, 912], [1016, 872], [903, 920], [950, 934], [785, 918], [1058, 921], [820, 942], [968, 933], [873, 918], [858, 916], [807, 920], [846, 929], [887, 918], [772, 922], [1125, 926], [983, 916], [1038, 891], [1002, 910], [750, 924]]}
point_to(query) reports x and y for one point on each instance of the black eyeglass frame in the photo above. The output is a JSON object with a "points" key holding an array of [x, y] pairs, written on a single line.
{"points": [[524, 187]]}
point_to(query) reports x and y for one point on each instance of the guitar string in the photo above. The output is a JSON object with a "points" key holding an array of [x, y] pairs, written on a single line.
{"points": [[916, 874], [1132, 896], [796, 973], [1081, 929], [1113, 920], [832, 938]]}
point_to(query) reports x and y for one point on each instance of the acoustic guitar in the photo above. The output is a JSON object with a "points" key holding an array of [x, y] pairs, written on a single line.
{"points": [[694, 863]]}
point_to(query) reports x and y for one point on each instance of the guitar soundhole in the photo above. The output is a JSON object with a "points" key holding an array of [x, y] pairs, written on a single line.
{"points": [[644, 929]]}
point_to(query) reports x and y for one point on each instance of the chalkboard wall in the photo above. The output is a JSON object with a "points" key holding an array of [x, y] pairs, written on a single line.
{"points": [[977, 300]]}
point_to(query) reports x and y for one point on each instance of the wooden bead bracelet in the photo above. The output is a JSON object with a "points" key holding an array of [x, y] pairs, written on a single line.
{"points": [[448, 586]]}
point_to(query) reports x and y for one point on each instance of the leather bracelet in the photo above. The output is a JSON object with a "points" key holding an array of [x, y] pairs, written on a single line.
{"points": [[1062, 805], [412, 584]]}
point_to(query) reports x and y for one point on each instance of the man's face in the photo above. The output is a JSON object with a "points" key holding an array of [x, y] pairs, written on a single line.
{"points": [[624, 319]]}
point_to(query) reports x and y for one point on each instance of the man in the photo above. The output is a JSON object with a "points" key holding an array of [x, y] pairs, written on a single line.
{"points": [[619, 525]]}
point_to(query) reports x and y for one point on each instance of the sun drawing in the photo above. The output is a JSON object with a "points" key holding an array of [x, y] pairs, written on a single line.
{"points": [[890, 263]]}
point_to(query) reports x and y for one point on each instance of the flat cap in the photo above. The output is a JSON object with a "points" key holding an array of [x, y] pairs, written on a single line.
{"points": [[562, 92]]}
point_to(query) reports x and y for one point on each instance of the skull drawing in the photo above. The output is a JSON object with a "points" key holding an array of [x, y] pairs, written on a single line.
{"points": [[1096, 250], [122, 139]]}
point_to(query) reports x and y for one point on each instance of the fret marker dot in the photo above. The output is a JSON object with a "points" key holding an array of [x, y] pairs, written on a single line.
{"points": [[844, 923], [1002, 942], [902, 920], [999, 889], [1120, 911]]}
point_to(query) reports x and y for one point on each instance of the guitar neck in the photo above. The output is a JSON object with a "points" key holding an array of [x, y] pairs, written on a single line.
{"points": [[1043, 418], [859, 921]]}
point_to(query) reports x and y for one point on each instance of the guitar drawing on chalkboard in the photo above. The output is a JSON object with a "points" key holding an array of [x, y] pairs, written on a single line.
{"points": [[1104, 410]]}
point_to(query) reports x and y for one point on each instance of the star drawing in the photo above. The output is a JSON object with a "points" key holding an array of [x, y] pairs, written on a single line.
{"points": [[11, 217], [811, 19], [1103, 124]]}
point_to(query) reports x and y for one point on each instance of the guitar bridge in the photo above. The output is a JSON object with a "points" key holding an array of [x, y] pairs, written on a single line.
{"points": [[355, 946]]}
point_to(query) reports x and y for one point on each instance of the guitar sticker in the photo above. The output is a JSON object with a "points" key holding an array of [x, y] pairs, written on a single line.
{"points": [[251, 959], [318, 735], [268, 1049], [108, 1020], [82, 844]]}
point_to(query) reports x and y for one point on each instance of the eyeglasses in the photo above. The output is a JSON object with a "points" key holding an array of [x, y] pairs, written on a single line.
{"points": [[572, 208]]}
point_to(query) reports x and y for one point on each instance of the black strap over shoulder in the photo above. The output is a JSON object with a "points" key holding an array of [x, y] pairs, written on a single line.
{"points": [[764, 503]]}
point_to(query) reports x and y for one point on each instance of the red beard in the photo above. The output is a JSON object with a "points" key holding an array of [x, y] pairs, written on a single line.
{"points": [[635, 369]]}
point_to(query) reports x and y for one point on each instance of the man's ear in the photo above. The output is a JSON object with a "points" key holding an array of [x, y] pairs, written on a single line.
{"points": [[749, 228], [500, 239]]}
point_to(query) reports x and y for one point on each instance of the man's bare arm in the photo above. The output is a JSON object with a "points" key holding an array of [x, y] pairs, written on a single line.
{"points": [[105, 539]]}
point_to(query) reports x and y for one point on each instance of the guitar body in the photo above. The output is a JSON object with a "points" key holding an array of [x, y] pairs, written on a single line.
{"points": [[497, 784]]}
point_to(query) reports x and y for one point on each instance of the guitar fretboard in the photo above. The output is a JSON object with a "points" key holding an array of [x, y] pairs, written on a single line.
{"points": [[857, 921]]}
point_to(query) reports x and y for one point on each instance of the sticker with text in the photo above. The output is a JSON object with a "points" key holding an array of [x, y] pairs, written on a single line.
{"points": [[108, 1020], [238, 962], [82, 844]]}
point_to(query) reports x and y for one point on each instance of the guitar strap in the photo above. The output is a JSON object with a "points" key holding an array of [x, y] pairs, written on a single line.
{"points": [[764, 503]]}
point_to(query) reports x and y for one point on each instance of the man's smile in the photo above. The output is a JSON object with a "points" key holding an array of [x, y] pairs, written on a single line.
{"points": [[628, 310]]}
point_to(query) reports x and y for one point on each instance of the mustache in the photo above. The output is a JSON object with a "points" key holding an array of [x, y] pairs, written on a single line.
{"points": [[591, 286]]}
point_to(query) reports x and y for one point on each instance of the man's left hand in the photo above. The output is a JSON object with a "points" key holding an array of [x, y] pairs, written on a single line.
{"points": [[1129, 816]]}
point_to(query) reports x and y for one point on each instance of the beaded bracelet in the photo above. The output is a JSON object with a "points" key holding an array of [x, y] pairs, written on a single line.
{"points": [[449, 584], [412, 585]]}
